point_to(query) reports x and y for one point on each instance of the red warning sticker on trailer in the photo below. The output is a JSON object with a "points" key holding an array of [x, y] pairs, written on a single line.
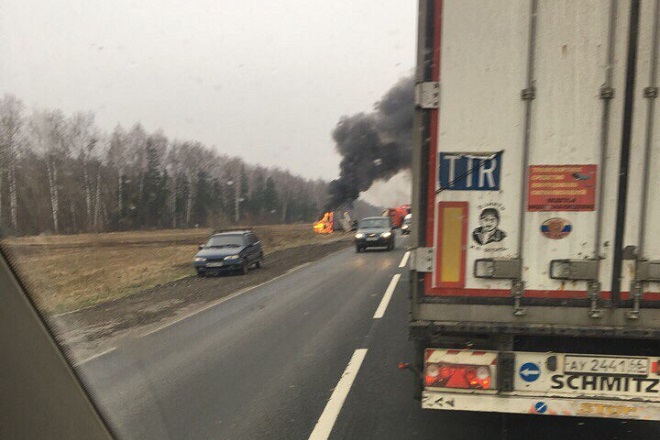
{"points": [[562, 188]]}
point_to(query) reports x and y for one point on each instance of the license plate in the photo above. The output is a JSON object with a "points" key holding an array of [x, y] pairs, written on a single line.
{"points": [[214, 264], [630, 366], [372, 239]]}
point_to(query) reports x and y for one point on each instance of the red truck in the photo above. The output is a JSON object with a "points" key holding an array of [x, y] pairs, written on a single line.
{"points": [[397, 214]]}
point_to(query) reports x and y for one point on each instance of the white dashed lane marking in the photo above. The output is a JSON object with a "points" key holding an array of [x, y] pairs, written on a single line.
{"points": [[329, 416], [404, 260], [382, 307]]}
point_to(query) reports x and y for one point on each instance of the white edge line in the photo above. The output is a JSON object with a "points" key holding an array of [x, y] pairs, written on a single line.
{"points": [[98, 355], [222, 300], [380, 311], [329, 416], [404, 260]]}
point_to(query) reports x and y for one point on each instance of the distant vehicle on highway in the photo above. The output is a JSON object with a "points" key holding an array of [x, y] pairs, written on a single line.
{"points": [[374, 232], [407, 225], [396, 215], [229, 251]]}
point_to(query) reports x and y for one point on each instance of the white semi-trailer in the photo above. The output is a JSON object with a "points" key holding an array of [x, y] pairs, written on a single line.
{"points": [[536, 271]]}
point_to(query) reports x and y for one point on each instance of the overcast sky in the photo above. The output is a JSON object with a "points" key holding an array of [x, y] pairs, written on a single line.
{"points": [[265, 80]]}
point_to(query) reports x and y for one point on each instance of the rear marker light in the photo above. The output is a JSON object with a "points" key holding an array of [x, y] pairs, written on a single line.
{"points": [[432, 372], [446, 372], [471, 377]]}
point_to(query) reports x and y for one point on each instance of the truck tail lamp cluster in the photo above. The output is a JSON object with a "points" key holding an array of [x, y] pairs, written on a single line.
{"points": [[458, 376], [460, 369]]}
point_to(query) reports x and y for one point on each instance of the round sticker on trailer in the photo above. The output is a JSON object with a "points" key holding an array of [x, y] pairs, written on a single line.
{"points": [[541, 407], [556, 228], [529, 372]]}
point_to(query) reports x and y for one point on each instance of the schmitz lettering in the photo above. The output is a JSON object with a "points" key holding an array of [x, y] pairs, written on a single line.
{"points": [[605, 383]]}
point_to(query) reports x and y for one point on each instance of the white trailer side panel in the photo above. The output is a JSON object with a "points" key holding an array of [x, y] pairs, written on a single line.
{"points": [[481, 111], [571, 66], [643, 208], [482, 75]]}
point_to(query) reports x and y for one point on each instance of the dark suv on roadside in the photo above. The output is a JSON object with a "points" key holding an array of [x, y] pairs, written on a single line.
{"points": [[229, 251], [374, 232]]}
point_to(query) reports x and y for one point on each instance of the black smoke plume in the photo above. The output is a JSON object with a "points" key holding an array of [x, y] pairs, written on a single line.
{"points": [[374, 146]]}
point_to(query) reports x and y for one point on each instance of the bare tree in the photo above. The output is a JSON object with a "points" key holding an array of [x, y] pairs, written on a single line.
{"points": [[116, 158], [173, 165], [11, 126], [137, 155], [194, 158], [48, 133], [97, 199], [82, 137]]}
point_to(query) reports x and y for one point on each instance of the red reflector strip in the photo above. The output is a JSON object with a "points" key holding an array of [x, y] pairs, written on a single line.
{"points": [[478, 353], [453, 351], [654, 367]]}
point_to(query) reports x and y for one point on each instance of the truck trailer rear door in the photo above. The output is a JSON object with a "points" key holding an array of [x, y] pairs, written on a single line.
{"points": [[540, 188]]}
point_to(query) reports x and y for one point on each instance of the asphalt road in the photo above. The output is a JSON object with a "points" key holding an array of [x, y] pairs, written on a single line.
{"points": [[264, 365]]}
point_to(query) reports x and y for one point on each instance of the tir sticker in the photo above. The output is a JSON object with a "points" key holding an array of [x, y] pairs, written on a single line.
{"points": [[469, 172], [529, 372], [562, 188], [556, 228], [488, 230]]}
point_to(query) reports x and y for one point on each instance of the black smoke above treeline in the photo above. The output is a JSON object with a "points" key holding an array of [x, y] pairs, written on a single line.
{"points": [[374, 146]]}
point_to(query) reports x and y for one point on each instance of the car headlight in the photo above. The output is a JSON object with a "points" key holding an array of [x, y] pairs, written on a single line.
{"points": [[359, 235], [385, 234], [200, 260], [233, 257]]}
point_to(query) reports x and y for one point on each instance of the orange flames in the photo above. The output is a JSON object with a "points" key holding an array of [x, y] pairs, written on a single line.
{"points": [[324, 226]]}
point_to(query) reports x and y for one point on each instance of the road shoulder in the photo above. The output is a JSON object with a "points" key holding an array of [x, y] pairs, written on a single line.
{"points": [[92, 330]]}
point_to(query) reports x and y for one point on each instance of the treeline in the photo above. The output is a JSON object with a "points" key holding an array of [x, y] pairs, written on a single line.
{"points": [[62, 174]]}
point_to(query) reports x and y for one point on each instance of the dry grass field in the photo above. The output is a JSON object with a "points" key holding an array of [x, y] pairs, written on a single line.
{"points": [[69, 272]]}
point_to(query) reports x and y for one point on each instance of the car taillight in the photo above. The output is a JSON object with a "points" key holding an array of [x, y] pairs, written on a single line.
{"points": [[458, 376]]}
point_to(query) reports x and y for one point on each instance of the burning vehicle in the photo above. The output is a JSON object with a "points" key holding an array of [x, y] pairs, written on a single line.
{"points": [[334, 221]]}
